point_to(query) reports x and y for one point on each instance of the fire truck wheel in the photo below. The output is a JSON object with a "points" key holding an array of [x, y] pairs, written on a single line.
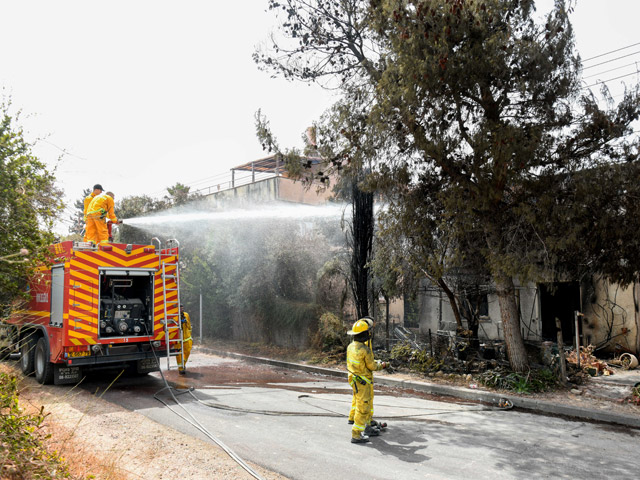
{"points": [[43, 367], [27, 355]]}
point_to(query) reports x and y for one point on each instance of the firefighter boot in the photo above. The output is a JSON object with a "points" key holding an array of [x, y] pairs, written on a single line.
{"points": [[362, 438]]}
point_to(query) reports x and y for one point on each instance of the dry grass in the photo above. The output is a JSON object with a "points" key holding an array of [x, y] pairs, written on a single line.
{"points": [[59, 440], [103, 441]]}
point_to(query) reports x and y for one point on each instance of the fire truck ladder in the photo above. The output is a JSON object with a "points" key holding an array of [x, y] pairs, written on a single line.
{"points": [[170, 284]]}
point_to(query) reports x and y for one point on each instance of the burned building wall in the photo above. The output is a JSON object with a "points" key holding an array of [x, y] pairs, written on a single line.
{"points": [[436, 313], [610, 322], [610, 319]]}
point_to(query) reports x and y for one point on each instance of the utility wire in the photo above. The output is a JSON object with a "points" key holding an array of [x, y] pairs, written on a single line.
{"points": [[610, 80], [610, 52], [63, 150], [610, 70], [612, 60]]}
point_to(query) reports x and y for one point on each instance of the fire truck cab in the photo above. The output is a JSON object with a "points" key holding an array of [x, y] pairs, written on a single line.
{"points": [[110, 305]]}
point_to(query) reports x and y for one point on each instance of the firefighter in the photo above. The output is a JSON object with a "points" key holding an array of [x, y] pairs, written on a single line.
{"points": [[361, 366], [187, 341], [352, 412], [99, 209], [97, 190]]}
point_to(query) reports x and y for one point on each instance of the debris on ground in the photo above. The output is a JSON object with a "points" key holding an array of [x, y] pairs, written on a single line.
{"points": [[626, 361], [588, 362]]}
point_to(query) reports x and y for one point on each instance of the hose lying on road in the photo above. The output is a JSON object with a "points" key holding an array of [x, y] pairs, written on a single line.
{"points": [[195, 423], [329, 413]]}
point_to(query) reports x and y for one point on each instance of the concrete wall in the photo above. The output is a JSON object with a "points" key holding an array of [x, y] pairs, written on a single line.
{"points": [[264, 191], [290, 191], [268, 190], [610, 316], [436, 313], [247, 329]]}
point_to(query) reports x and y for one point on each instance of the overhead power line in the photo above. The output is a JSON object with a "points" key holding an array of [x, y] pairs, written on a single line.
{"points": [[610, 70], [610, 52], [612, 60], [611, 80]]}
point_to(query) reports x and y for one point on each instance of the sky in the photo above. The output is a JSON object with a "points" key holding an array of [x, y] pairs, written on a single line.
{"points": [[138, 95]]}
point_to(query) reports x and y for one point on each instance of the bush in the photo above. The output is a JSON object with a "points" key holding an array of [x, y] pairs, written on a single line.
{"points": [[535, 381], [331, 336], [416, 360], [22, 453]]}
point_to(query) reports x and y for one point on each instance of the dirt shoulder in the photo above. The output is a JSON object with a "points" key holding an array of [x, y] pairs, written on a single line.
{"points": [[101, 440]]}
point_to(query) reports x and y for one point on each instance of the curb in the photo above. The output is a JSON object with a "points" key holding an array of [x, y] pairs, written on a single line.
{"points": [[540, 406]]}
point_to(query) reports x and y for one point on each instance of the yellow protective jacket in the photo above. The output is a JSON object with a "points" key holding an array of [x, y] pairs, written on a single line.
{"points": [[360, 362], [102, 206], [87, 201], [186, 327]]}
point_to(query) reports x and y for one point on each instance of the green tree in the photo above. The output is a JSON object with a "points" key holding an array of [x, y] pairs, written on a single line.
{"points": [[179, 195], [477, 93], [29, 205], [77, 219], [136, 206]]}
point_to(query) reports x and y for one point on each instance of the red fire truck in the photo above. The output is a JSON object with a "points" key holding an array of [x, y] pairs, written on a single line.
{"points": [[111, 305]]}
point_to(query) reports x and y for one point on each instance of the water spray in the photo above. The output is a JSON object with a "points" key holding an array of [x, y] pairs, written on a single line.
{"points": [[273, 212]]}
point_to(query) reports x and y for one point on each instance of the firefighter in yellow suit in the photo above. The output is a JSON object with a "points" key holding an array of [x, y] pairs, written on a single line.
{"points": [[352, 412], [187, 341], [99, 209], [361, 365], [97, 190]]}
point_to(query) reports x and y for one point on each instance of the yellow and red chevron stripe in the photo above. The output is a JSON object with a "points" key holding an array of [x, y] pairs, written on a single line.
{"points": [[84, 292]]}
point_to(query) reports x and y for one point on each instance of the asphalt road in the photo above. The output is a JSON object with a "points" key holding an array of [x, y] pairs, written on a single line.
{"points": [[295, 423]]}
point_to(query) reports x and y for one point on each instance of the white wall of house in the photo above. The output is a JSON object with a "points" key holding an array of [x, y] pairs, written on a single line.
{"points": [[611, 318], [436, 314]]}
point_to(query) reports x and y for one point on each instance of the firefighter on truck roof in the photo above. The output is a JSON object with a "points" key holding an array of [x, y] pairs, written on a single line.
{"points": [[97, 190], [100, 208]]}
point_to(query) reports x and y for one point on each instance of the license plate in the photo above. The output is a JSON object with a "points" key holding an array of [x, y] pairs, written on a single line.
{"points": [[84, 353]]}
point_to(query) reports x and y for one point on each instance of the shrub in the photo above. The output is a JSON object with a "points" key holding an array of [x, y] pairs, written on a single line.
{"points": [[416, 360], [331, 334], [535, 381], [22, 453]]}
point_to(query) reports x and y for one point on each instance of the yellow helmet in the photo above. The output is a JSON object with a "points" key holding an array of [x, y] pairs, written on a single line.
{"points": [[359, 327]]}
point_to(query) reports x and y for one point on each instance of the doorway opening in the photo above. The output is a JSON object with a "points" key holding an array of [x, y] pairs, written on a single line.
{"points": [[561, 300]]}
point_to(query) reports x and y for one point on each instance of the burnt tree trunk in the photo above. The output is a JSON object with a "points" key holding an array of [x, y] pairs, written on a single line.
{"points": [[361, 233]]}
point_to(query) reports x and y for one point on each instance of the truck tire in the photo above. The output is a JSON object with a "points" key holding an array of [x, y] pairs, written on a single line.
{"points": [[43, 367], [27, 355]]}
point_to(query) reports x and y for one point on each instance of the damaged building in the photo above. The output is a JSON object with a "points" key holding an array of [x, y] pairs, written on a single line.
{"points": [[607, 314]]}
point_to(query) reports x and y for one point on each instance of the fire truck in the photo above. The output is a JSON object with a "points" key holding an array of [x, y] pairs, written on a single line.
{"points": [[97, 306]]}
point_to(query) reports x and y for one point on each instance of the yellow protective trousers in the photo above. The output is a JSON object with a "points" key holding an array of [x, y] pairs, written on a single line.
{"points": [[186, 346], [96, 230], [87, 201], [352, 412], [363, 397]]}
